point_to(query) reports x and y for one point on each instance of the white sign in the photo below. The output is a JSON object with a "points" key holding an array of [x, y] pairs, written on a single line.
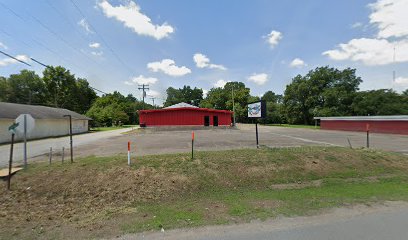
{"points": [[29, 122], [255, 110]]}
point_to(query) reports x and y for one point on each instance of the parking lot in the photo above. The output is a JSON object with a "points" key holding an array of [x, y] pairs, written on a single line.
{"points": [[174, 141]]}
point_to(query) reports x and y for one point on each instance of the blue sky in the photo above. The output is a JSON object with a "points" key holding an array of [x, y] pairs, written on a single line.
{"points": [[118, 44]]}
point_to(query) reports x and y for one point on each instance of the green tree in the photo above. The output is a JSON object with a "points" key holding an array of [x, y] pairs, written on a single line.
{"points": [[61, 87], [324, 91], [185, 94], [85, 96], [4, 90], [274, 108], [221, 98], [380, 102], [26, 88], [113, 109]]}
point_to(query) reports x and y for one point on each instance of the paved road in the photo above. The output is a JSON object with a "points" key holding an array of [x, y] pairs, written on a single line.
{"points": [[362, 223], [38, 148], [148, 142]]}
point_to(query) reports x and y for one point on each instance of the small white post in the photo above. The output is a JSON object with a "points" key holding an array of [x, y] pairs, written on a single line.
{"points": [[129, 153]]}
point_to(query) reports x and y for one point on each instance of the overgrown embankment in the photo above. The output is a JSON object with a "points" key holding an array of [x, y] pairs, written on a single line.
{"points": [[102, 196]]}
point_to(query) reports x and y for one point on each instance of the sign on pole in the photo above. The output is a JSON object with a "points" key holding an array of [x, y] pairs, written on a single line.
{"points": [[257, 110], [12, 128], [26, 124]]}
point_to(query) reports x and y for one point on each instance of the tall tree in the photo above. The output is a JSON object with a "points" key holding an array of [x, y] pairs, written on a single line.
{"points": [[61, 87], [111, 109], [85, 96], [222, 98], [26, 88], [274, 107], [324, 91], [380, 102], [185, 94]]}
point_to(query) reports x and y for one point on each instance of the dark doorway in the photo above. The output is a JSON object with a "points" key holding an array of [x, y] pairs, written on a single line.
{"points": [[215, 121], [206, 121]]}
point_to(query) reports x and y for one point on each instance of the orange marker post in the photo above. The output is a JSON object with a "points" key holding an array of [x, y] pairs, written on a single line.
{"points": [[129, 153], [192, 145]]}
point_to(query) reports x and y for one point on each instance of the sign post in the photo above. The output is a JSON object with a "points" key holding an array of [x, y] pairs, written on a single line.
{"points": [[26, 124], [12, 130], [257, 110], [70, 137], [368, 135]]}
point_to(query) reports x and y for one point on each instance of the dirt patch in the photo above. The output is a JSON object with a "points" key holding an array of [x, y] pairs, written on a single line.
{"points": [[81, 196]]}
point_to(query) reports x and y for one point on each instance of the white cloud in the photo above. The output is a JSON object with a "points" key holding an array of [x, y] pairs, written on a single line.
{"points": [[273, 38], [7, 61], [85, 25], [258, 79], [370, 51], [390, 17], [391, 21], [141, 80], [298, 63], [131, 16], [203, 61], [153, 93], [220, 83], [168, 66], [2, 45], [99, 53], [357, 25], [94, 45], [402, 81]]}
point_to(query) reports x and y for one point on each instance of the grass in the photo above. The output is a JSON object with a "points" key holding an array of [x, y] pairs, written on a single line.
{"points": [[294, 126], [106, 196], [101, 129]]}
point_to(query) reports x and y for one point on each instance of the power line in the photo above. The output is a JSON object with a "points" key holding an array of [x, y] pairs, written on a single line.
{"points": [[42, 64], [39, 62], [65, 18], [50, 31], [102, 38], [8, 55], [13, 12]]}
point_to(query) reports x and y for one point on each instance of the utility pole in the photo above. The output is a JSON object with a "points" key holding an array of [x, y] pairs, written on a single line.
{"points": [[233, 105], [143, 87], [153, 100], [70, 137]]}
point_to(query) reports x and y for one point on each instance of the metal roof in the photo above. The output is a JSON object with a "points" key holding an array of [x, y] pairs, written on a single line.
{"points": [[365, 118], [181, 105], [13, 110]]}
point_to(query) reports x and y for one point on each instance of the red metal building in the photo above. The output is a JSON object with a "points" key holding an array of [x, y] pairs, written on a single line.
{"points": [[378, 124], [184, 114]]}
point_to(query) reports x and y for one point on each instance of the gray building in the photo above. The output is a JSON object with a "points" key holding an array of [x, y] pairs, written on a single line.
{"points": [[49, 122]]}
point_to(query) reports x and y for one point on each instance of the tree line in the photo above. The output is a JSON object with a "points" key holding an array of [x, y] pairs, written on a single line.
{"points": [[323, 91], [59, 88]]}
